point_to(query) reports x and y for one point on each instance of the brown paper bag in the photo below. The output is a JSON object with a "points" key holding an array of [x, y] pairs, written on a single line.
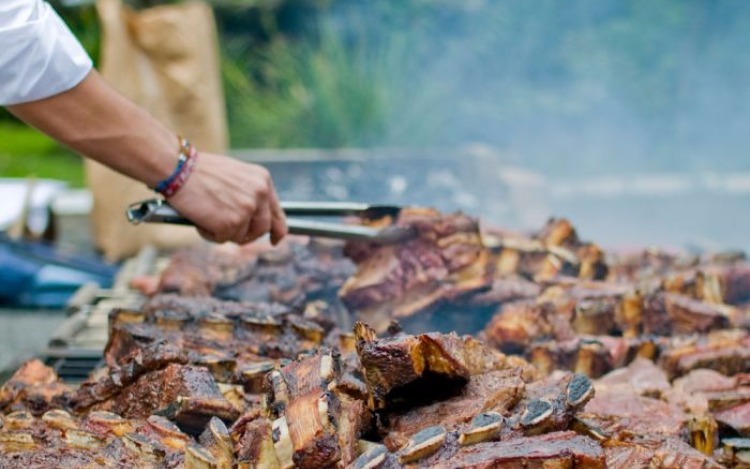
{"points": [[166, 60]]}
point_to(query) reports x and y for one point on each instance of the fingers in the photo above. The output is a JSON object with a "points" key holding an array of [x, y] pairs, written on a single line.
{"points": [[231, 201], [260, 223], [278, 217], [207, 235]]}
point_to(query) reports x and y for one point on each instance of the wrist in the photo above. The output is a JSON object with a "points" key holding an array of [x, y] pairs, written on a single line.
{"points": [[186, 161]]}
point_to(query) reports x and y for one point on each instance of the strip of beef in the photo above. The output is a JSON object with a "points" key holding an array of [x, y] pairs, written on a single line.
{"points": [[704, 391], [254, 442], [35, 388], [322, 421], [668, 313], [726, 398], [563, 450], [644, 378], [564, 311], [505, 289], [152, 357], [191, 308], [434, 447], [198, 270], [446, 260], [624, 415], [641, 376], [294, 273], [553, 450], [553, 252]]}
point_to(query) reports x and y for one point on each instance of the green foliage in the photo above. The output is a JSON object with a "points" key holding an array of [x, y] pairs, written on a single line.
{"points": [[84, 23], [26, 152], [325, 93]]}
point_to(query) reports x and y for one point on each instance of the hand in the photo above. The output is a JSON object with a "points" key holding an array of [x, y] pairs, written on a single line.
{"points": [[229, 200]]}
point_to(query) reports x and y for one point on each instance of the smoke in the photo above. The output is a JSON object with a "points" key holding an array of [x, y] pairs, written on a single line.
{"points": [[574, 90]]}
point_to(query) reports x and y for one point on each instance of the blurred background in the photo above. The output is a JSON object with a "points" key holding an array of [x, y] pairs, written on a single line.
{"points": [[630, 118]]}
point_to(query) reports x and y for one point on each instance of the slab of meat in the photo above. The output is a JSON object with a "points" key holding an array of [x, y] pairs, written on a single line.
{"points": [[100, 439], [445, 261], [404, 369], [157, 381], [290, 273], [496, 391], [294, 273], [254, 441], [647, 264], [35, 388]]}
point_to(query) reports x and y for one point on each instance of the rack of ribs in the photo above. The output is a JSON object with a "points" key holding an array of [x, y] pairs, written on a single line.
{"points": [[297, 270], [552, 252]]}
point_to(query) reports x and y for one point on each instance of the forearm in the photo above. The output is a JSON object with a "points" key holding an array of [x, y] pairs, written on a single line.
{"points": [[96, 121]]}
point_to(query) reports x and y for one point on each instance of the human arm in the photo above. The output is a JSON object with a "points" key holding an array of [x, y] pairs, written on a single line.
{"points": [[47, 80], [227, 199]]}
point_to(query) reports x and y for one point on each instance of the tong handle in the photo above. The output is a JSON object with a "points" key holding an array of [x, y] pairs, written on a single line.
{"points": [[159, 211], [335, 209]]}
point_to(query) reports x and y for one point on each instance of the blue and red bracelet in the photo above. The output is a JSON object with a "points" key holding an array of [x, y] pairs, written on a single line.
{"points": [[185, 165]]}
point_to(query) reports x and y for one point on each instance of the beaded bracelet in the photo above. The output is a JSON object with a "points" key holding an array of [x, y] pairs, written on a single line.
{"points": [[185, 164], [179, 180]]}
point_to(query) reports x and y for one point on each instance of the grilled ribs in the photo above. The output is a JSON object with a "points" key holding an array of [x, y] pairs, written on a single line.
{"points": [[100, 439], [256, 340], [445, 261]]}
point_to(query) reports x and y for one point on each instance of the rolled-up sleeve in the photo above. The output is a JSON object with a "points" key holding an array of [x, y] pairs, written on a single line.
{"points": [[39, 55]]}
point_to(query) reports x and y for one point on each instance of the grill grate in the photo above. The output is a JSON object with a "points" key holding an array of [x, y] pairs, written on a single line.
{"points": [[72, 365]]}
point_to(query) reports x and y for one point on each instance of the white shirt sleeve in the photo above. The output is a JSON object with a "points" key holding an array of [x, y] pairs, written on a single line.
{"points": [[39, 56]]}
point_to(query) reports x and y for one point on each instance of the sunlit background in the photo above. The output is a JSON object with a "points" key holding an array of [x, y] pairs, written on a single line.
{"points": [[631, 118]]}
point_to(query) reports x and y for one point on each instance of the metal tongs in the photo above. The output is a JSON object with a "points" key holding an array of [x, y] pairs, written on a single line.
{"points": [[159, 211]]}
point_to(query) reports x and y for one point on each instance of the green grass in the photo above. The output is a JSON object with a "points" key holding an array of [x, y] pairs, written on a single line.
{"points": [[26, 152]]}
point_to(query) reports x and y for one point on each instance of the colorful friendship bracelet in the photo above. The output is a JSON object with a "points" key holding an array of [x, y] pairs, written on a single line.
{"points": [[185, 164], [179, 180]]}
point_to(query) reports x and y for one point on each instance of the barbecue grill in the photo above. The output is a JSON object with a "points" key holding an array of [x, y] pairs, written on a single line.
{"points": [[656, 328]]}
